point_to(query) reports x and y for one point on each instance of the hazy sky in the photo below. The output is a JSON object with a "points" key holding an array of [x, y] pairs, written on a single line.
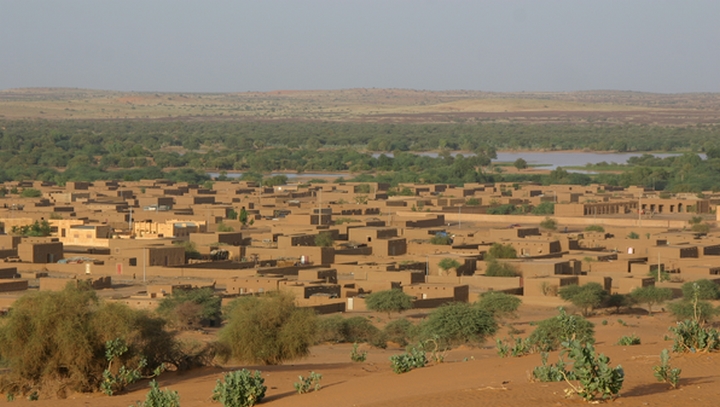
{"points": [[239, 45]]}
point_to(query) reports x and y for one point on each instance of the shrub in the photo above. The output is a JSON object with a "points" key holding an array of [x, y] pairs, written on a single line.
{"points": [[551, 373], [552, 332], [357, 356], [324, 239], [498, 269], [441, 239], [307, 383], [188, 309], [518, 347], [595, 228], [116, 379], [549, 224], [60, 338], [459, 323], [692, 336], [633, 235], [30, 193], [240, 388], [703, 311], [501, 305], [544, 208], [651, 295], [405, 362], [704, 290], [389, 301], [618, 301], [629, 340], [595, 375], [268, 329], [501, 251], [223, 227], [339, 329], [666, 373], [400, 331], [160, 398], [586, 297]]}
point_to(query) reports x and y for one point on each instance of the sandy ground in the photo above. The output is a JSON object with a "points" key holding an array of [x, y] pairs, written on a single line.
{"points": [[468, 377]]}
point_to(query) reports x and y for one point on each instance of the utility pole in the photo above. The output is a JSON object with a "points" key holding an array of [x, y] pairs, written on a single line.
{"points": [[460, 217], [145, 264]]}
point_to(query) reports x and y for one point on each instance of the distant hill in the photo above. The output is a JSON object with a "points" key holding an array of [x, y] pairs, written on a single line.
{"points": [[366, 105]]}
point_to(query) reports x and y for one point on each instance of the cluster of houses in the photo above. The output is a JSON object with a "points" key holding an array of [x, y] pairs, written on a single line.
{"points": [[332, 243]]}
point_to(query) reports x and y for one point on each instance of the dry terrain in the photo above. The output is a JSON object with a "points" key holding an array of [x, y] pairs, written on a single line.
{"points": [[469, 376], [366, 105]]}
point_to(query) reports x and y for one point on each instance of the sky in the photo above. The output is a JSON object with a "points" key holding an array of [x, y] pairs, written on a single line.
{"points": [[263, 45]]}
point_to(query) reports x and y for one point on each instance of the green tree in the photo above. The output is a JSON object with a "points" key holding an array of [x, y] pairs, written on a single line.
{"points": [[704, 289], [651, 295], [269, 329], [586, 297], [552, 332], [324, 239], [243, 216], [520, 164], [30, 193], [544, 208], [501, 251], [447, 264], [500, 269], [389, 301]]}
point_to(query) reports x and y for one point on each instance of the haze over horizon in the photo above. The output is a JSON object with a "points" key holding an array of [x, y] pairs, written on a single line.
{"points": [[656, 46]]}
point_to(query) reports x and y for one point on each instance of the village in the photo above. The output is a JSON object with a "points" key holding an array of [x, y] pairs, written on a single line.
{"points": [[330, 244]]}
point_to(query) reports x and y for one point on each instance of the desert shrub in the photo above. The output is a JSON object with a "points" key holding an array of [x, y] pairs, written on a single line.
{"points": [[595, 228], [306, 383], [499, 269], [268, 329], [60, 337], [629, 340], [448, 263], [116, 378], [617, 301], [549, 224], [441, 239], [389, 301], [324, 239], [31, 193], [651, 295], [339, 329], [552, 332], [633, 235], [702, 289], [703, 311], [412, 359], [597, 379], [544, 208], [514, 347], [501, 251], [553, 372], [224, 227], [586, 297], [188, 309], [458, 323], [501, 305], [400, 331], [666, 373], [357, 356], [240, 388], [160, 398], [692, 336]]}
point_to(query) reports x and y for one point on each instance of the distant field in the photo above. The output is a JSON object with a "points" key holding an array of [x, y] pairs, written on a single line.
{"points": [[365, 105]]}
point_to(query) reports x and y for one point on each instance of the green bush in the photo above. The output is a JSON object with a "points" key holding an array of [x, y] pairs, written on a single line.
{"points": [[459, 323], [586, 297], [666, 373], [629, 340], [501, 305], [307, 383], [440, 239], [704, 290], [240, 388], [268, 329], [448, 263], [514, 347], [703, 311], [405, 362], [324, 239], [633, 235], [357, 356], [544, 208], [501, 251], [551, 373], [549, 224], [500, 269], [389, 301], [187, 309], [401, 331], [339, 329], [160, 398], [552, 332], [595, 228], [597, 379], [692, 336], [60, 337]]}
